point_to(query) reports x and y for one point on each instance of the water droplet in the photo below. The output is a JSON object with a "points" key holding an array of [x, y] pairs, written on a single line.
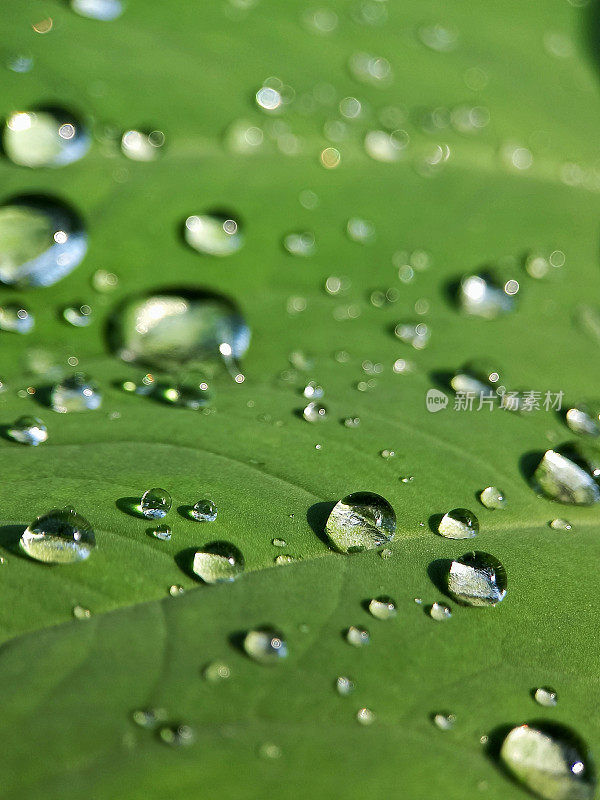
{"points": [[571, 476], [477, 579], [344, 685], [269, 750], [312, 391], [545, 696], [383, 608], [584, 418], [371, 69], [559, 524], [76, 393], [278, 542], [181, 395], [361, 521], [443, 721], [162, 532], [216, 671], [386, 147], [59, 537], [550, 760], [360, 230], [300, 244], [483, 296], [173, 327], [177, 735], [407, 478], [79, 315], [440, 612], [104, 10], [385, 553], [387, 454], [142, 145], [460, 523], [80, 612], [15, 317], [155, 503], [357, 637], [284, 559], [175, 590], [417, 335], [41, 241], [265, 645], [217, 234], [204, 511], [492, 497], [20, 62], [218, 562], [28, 430], [365, 716], [438, 37], [351, 422], [314, 412], [476, 378], [104, 281], [47, 137], [330, 157], [149, 717]]}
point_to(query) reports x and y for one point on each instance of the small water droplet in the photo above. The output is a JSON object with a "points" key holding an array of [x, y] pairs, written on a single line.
{"points": [[444, 721], [176, 589], [216, 671], [351, 422], [417, 335], [357, 637], [438, 37], [371, 69], [80, 612], [28, 430], [278, 542], [385, 553], [218, 562], [344, 685], [142, 145], [460, 523], [475, 378], [104, 281], [314, 412], [484, 296], [79, 315], [300, 244], [407, 478], [365, 716], [493, 498], [284, 559], [439, 612], [155, 503], [177, 735], [361, 521], [149, 717], [76, 393], [16, 317], [46, 137], [383, 608], [584, 418], [265, 645], [59, 537], [105, 10], [162, 532], [214, 234], [360, 230], [550, 760], [545, 696], [204, 511], [559, 524], [269, 750], [477, 579], [387, 454], [312, 391], [571, 475]]}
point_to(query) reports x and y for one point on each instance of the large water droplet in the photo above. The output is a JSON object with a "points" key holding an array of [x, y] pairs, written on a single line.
{"points": [[571, 475], [104, 10], [48, 137], [155, 503], [265, 645], [361, 521], [28, 430], [493, 498], [76, 393], [477, 579], [218, 562], [584, 418], [550, 760], [216, 234], [169, 328], [545, 696], [15, 317], [59, 537], [204, 511], [460, 523], [482, 296], [41, 241], [383, 608]]}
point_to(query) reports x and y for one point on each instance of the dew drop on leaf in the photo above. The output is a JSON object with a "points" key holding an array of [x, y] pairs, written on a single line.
{"points": [[47, 137], [360, 521], [214, 234], [560, 524], [493, 498], [545, 696], [265, 645], [440, 612], [155, 503], [60, 536], [28, 430], [344, 685], [105, 10], [218, 562], [570, 475], [16, 318], [73, 394], [460, 523], [161, 532], [357, 637], [443, 721], [383, 608], [477, 579], [204, 511]]}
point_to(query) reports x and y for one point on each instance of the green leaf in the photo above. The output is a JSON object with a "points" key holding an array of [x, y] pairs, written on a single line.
{"points": [[192, 70]]}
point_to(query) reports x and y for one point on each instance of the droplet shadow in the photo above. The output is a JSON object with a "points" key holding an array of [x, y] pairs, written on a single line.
{"points": [[10, 535], [528, 464], [317, 516], [131, 506], [185, 561], [186, 511], [434, 522], [441, 379], [437, 571]]}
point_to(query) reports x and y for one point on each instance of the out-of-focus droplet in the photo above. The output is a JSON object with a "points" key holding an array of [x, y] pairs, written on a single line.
{"points": [[371, 69], [300, 244], [357, 637], [443, 721], [344, 685], [155, 503], [383, 608], [46, 137], [105, 10], [584, 418], [351, 422], [312, 391], [330, 157], [265, 645], [493, 498], [41, 241], [360, 521], [216, 671], [177, 735], [59, 537], [360, 230], [76, 393], [386, 147], [216, 234], [314, 412], [476, 378], [483, 296], [16, 317], [79, 315], [438, 37], [20, 62], [559, 524], [365, 716], [571, 475], [477, 579], [218, 562], [460, 523], [28, 430], [142, 146], [415, 334], [149, 717], [104, 281]]}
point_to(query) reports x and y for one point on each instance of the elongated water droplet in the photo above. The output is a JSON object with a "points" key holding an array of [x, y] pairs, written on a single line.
{"points": [[218, 562], [149, 717], [80, 612], [41, 241], [59, 537], [361, 521], [483, 296], [204, 511], [550, 760], [314, 412], [344, 685], [545, 696], [477, 377], [584, 418], [105, 10], [214, 234], [357, 637], [76, 393], [15, 317], [28, 430], [177, 735], [284, 559], [477, 579], [493, 498], [444, 721], [265, 645], [439, 612], [560, 524], [173, 327], [162, 532], [570, 475], [383, 608], [365, 716], [460, 523], [155, 503], [216, 671], [47, 137], [79, 315]]}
